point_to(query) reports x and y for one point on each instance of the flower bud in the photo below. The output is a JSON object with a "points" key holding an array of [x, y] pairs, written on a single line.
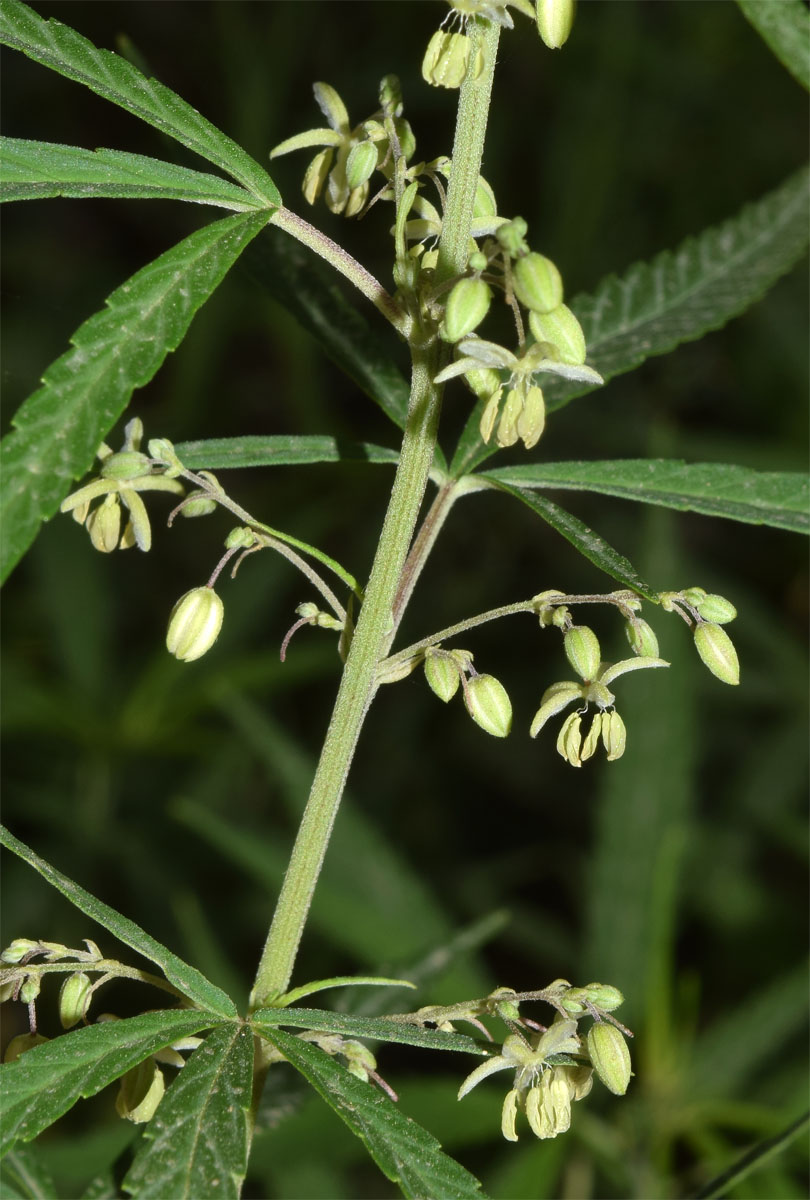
{"points": [[241, 536], [199, 505], [488, 704], [716, 609], [561, 328], [641, 637], [604, 996], [483, 382], [537, 283], [127, 464], [21, 1043], [104, 524], [194, 625], [554, 21], [360, 164], [30, 989], [583, 651], [16, 951], [532, 419], [716, 649], [610, 1056], [442, 674], [140, 1093], [544, 607], [614, 735], [74, 998], [510, 236], [692, 595], [466, 308]]}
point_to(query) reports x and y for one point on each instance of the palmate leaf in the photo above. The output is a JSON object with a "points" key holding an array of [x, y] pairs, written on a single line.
{"points": [[186, 979], [59, 428], [405, 1152], [197, 1142], [777, 498], [63, 50], [36, 170], [43, 1083], [278, 450], [382, 1029], [677, 297], [585, 540], [785, 27]]}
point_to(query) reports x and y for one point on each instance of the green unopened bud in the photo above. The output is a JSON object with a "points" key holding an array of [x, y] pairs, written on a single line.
{"points": [[716, 609], [569, 739], [140, 1093], [716, 649], [532, 419], [242, 536], [448, 62], [554, 21], [561, 328], [604, 996], [610, 1056], [641, 637], [537, 283], [200, 505], [583, 651], [544, 606], [104, 524], [127, 464], [163, 450], [511, 236], [360, 164], [16, 951], [692, 595], [74, 997], [442, 674], [21, 1043], [488, 704], [194, 625], [466, 308], [614, 735], [30, 989]]}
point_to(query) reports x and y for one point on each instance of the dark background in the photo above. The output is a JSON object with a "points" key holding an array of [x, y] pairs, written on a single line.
{"points": [[170, 791]]}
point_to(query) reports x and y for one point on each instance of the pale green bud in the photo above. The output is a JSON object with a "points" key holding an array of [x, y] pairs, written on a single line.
{"points": [[591, 742], [447, 61], [582, 651], [507, 433], [610, 1057], [604, 996], [717, 609], [405, 136], [692, 595], [544, 606], [490, 415], [242, 536], [488, 704], [360, 164], [442, 674], [127, 464], [200, 505], [508, 1115], [30, 989], [163, 451], [104, 524], [561, 328], [466, 308], [641, 637], [716, 649], [537, 282], [21, 1043], [614, 735], [194, 625], [569, 739], [511, 236], [74, 997], [16, 951], [477, 261], [554, 21], [532, 419], [140, 1093], [483, 382]]}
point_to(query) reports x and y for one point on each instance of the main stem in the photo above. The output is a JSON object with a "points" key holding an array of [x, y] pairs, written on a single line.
{"points": [[374, 624]]}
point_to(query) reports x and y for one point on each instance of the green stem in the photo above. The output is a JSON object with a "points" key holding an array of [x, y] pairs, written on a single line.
{"points": [[375, 620]]}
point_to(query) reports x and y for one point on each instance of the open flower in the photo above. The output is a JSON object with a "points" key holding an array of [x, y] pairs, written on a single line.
{"points": [[122, 476]]}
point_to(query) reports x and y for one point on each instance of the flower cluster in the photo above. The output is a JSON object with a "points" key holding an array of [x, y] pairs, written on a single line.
{"points": [[485, 697]]}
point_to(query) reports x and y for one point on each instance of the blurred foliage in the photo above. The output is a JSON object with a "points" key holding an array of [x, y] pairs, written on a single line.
{"points": [[171, 791]]}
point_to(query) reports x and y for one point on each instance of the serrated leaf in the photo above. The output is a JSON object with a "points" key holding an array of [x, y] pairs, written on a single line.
{"points": [[197, 1142], [405, 1152], [278, 450], [36, 170], [64, 50], [24, 1177], [381, 1029], [306, 288], [777, 498], [583, 539], [676, 297], [186, 979], [43, 1083], [785, 27], [59, 428]]}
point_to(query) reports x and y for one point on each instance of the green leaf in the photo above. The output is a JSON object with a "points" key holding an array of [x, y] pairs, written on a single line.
{"points": [[278, 450], [24, 1177], [197, 1142], [778, 498], [59, 428], [752, 1160], [785, 27], [43, 1083], [186, 979], [381, 1029], [36, 170], [306, 288], [63, 50], [590, 544], [676, 297], [405, 1152]]}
